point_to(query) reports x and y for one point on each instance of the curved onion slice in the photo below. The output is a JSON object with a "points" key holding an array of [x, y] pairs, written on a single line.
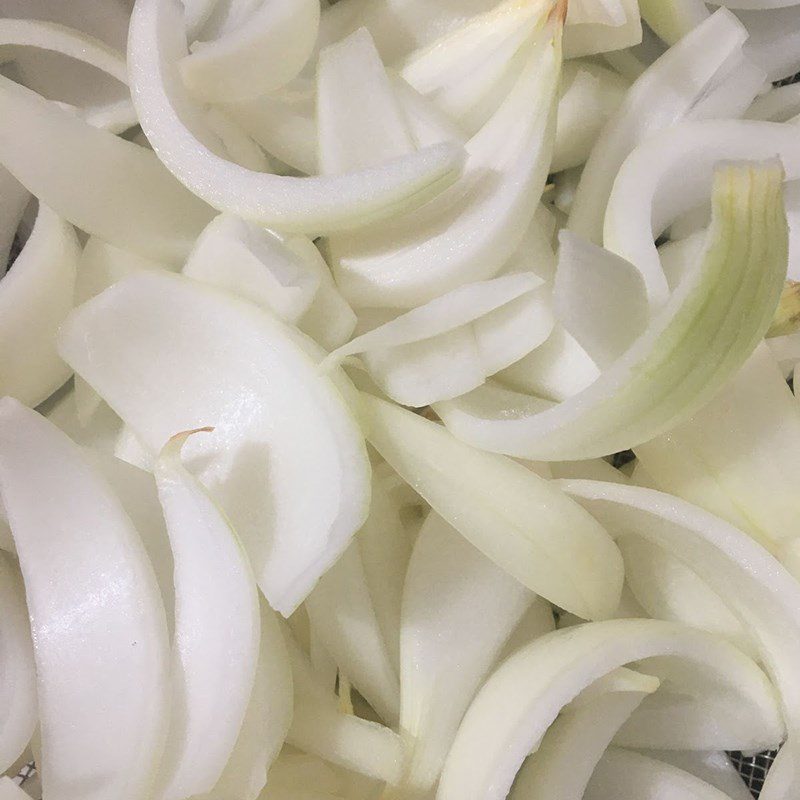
{"points": [[143, 208], [522, 698], [217, 631], [101, 656], [773, 40], [35, 298], [282, 430], [458, 611], [570, 750], [752, 583], [709, 327], [625, 775], [473, 228], [511, 515], [262, 54], [678, 79], [711, 767], [299, 204], [18, 717]]}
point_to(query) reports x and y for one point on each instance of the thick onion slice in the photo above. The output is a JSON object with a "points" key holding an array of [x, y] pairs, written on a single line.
{"points": [[762, 594], [101, 657], [18, 717], [262, 54], [458, 611], [520, 701], [35, 298], [300, 204], [570, 750], [512, 516], [143, 208], [709, 327], [282, 430], [217, 631], [471, 230]]}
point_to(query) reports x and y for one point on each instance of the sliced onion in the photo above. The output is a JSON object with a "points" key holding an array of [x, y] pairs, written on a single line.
{"points": [[10, 791], [714, 768], [18, 718], [458, 611], [305, 205], [491, 502], [35, 298], [281, 427], [262, 54], [588, 38], [711, 324], [673, 19], [217, 631], [101, 656]]}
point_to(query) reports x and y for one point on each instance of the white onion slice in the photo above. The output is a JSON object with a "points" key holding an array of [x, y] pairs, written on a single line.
{"points": [[588, 38], [473, 228], [305, 205], [35, 298], [671, 20], [714, 768], [282, 429], [570, 750], [492, 502], [217, 631], [625, 775], [709, 327], [262, 54], [773, 40], [18, 717], [143, 208], [522, 698], [458, 611], [678, 79], [101, 657]]}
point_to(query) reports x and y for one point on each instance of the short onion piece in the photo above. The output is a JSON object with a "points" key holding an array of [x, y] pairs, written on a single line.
{"points": [[281, 429], [625, 775], [35, 298], [217, 631], [458, 611], [18, 717], [101, 658], [474, 227], [143, 208], [570, 750], [762, 594], [310, 205], [518, 703], [511, 515], [262, 54], [710, 326]]}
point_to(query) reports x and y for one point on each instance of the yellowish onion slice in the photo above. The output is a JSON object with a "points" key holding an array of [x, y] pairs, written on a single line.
{"points": [[101, 657], [493, 502], [280, 427]]}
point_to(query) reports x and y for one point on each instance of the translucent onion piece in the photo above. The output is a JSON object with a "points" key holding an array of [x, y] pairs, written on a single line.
{"points": [[588, 38], [305, 205], [673, 19], [217, 631], [736, 456], [518, 703], [101, 658], [602, 12], [625, 775], [678, 79], [570, 750], [599, 298], [143, 208], [714, 768], [340, 609], [472, 229], [262, 54], [458, 611], [35, 298], [18, 717], [512, 516], [709, 327], [753, 584], [253, 463], [536, 621], [254, 264]]}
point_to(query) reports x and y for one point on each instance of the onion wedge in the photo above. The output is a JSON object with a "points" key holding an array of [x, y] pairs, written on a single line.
{"points": [[101, 657], [280, 427]]}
